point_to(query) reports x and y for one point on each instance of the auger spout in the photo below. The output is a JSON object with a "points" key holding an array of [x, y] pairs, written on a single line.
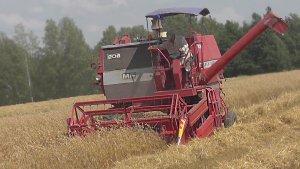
{"points": [[269, 21]]}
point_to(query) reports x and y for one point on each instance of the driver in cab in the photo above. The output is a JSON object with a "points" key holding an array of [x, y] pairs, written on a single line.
{"points": [[177, 47]]}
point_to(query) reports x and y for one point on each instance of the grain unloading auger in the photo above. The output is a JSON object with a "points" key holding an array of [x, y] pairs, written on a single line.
{"points": [[145, 87]]}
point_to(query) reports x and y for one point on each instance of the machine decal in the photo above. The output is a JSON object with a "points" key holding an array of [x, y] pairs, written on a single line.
{"points": [[113, 56], [131, 75], [128, 76], [199, 46], [208, 64]]}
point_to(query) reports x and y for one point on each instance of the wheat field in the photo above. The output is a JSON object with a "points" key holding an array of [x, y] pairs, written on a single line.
{"points": [[267, 134]]}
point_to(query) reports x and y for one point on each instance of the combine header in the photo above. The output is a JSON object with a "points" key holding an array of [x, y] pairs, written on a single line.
{"points": [[179, 98]]}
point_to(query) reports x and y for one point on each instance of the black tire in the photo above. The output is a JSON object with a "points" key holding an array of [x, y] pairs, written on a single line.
{"points": [[230, 120]]}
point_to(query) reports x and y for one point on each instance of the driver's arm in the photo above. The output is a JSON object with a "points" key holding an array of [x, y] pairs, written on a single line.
{"points": [[161, 46], [184, 45]]}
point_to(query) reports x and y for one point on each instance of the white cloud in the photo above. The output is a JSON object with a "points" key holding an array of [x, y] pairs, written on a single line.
{"points": [[86, 6], [92, 28], [228, 13], [11, 19], [120, 2], [36, 9]]}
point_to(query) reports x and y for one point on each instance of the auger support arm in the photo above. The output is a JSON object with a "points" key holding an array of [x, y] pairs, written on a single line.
{"points": [[269, 21]]}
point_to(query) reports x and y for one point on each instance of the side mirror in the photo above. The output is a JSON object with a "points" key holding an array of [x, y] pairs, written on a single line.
{"points": [[94, 65]]}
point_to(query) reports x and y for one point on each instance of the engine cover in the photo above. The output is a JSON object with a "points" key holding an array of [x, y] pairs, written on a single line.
{"points": [[128, 70]]}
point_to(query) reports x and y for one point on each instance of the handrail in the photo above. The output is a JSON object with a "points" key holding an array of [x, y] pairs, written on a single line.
{"points": [[157, 49], [179, 106]]}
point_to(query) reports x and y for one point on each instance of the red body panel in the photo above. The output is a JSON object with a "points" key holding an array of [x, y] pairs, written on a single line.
{"points": [[197, 112], [209, 47], [207, 127]]}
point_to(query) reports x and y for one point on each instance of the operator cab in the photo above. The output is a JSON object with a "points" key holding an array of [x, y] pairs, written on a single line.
{"points": [[184, 71]]}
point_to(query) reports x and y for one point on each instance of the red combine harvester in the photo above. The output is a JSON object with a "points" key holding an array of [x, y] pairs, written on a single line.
{"points": [[178, 98]]}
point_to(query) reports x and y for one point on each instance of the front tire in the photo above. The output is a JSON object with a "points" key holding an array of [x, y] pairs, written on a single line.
{"points": [[230, 120]]}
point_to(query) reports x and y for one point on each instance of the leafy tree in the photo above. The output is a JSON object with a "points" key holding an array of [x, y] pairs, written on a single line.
{"points": [[268, 52], [209, 26], [64, 62], [180, 24], [135, 32], [107, 38], [28, 41], [13, 82], [51, 40], [292, 39], [232, 33], [47, 64], [74, 73]]}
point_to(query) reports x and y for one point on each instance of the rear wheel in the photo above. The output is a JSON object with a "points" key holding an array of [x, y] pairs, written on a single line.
{"points": [[231, 118]]}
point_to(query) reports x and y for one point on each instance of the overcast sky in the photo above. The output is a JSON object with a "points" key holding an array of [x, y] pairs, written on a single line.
{"points": [[94, 16]]}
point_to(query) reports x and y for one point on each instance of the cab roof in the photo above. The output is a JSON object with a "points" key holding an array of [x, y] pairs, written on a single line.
{"points": [[161, 13]]}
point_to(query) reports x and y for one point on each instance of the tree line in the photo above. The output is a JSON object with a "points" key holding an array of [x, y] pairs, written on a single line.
{"points": [[59, 65]]}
